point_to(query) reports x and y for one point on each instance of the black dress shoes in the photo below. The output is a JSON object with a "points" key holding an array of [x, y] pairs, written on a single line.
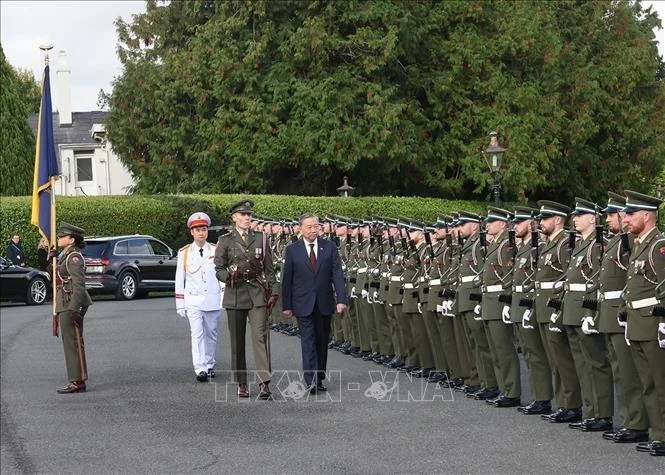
{"points": [[565, 416], [629, 436], [487, 393], [657, 448], [211, 373], [242, 390], [536, 407], [73, 387], [318, 388], [202, 377], [370, 356], [452, 383], [264, 393], [596, 424], [355, 351], [503, 401], [469, 389]]}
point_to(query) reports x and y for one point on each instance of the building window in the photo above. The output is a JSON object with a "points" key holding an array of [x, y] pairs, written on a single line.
{"points": [[83, 165]]}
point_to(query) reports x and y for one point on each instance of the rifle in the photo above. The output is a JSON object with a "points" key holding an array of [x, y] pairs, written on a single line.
{"points": [[572, 236], [482, 237], [600, 238], [428, 241], [449, 237], [511, 240], [535, 238]]}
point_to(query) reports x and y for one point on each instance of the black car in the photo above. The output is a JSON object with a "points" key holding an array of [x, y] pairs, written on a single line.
{"points": [[129, 266], [23, 284]]}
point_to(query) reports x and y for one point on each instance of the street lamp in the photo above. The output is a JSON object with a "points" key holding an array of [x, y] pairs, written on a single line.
{"points": [[495, 153], [345, 190]]}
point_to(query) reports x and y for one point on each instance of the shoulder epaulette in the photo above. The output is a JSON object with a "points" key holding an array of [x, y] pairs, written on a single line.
{"points": [[183, 247]]}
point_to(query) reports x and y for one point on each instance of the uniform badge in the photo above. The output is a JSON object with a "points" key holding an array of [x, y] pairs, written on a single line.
{"points": [[548, 259], [522, 261], [639, 265], [75, 258], [662, 250], [579, 260]]}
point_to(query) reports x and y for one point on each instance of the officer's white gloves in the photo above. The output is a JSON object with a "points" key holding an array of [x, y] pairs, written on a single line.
{"points": [[182, 312], [505, 315], [588, 326], [661, 335], [526, 319]]}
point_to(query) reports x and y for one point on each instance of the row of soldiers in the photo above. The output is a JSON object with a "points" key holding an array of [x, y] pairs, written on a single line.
{"points": [[456, 300]]}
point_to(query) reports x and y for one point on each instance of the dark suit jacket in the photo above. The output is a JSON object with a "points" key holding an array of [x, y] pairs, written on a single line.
{"points": [[302, 288]]}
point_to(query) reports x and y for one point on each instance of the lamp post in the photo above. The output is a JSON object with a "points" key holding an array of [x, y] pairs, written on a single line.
{"points": [[493, 155], [345, 190]]}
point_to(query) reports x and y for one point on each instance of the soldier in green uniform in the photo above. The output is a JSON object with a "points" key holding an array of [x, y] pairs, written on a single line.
{"points": [[550, 273], [586, 344], [522, 313], [468, 297], [646, 272], [71, 304], [363, 305], [613, 276], [495, 308], [394, 302], [244, 262]]}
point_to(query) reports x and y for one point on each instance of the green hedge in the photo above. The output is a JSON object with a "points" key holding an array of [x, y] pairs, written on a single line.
{"points": [[164, 216]]}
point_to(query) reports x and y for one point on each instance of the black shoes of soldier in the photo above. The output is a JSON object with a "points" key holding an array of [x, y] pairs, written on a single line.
{"points": [[593, 424], [564, 415], [73, 387], [536, 407], [655, 448], [202, 377], [484, 394], [626, 436], [265, 393], [504, 401]]}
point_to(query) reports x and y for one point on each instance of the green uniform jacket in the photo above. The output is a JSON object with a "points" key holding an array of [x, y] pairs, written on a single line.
{"points": [[613, 275], [395, 289], [522, 280], [584, 262], [552, 263], [255, 256], [411, 282], [646, 269], [496, 277], [71, 294], [470, 274]]}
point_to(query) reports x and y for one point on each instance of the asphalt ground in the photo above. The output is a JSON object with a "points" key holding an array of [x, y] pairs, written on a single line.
{"points": [[145, 413]]}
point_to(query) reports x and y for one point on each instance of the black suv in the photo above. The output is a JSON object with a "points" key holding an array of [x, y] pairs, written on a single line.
{"points": [[128, 266]]}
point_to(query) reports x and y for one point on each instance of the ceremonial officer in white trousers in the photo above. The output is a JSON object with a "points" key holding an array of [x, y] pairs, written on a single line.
{"points": [[198, 295]]}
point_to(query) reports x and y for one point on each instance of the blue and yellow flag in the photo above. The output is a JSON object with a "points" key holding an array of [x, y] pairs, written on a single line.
{"points": [[46, 166]]}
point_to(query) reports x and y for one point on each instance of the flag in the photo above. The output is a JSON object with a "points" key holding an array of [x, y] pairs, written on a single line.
{"points": [[46, 166]]}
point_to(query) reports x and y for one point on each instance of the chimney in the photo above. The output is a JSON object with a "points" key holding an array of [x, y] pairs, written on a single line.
{"points": [[64, 90]]}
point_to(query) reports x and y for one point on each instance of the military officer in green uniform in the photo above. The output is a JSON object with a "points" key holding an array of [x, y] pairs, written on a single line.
{"points": [[586, 344], [495, 309], [552, 263], [646, 271], [244, 262], [468, 297], [522, 313], [613, 276], [71, 304]]}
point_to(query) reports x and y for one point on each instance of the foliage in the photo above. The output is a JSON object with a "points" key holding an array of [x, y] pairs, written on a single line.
{"points": [[286, 97], [164, 216], [17, 153]]}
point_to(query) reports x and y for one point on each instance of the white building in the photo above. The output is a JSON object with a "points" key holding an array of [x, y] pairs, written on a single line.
{"points": [[88, 165]]}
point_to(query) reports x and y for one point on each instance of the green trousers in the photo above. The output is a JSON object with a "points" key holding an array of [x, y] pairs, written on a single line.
{"points": [[564, 365], [649, 361], [480, 349], [421, 341], [627, 383], [68, 335], [598, 374], [539, 371], [501, 339], [386, 346], [237, 320]]}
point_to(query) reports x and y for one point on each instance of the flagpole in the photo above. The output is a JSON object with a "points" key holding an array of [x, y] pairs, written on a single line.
{"points": [[52, 238]]}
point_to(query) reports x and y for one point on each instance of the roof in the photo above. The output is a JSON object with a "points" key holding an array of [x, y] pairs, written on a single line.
{"points": [[76, 133]]}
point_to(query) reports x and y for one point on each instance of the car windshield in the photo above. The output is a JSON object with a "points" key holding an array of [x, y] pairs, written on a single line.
{"points": [[94, 249]]}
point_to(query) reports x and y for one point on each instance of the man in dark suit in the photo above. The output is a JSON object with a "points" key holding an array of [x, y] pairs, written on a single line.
{"points": [[312, 270]]}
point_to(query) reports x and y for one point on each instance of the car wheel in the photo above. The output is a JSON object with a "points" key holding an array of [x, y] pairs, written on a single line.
{"points": [[37, 291], [128, 286]]}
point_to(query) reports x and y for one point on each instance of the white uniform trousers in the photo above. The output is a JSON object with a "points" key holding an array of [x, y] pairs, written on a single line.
{"points": [[203, 325]]}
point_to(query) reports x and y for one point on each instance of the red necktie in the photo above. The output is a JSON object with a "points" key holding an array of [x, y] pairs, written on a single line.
{"points": [[312, 256]]}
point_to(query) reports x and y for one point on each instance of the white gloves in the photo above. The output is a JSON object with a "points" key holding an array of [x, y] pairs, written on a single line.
{"points": [[661, 335], [553, 319], [588, 326], [477, 310], [182, 312], [353, 293], [420, 308], [526, 319], [505, 315]]}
